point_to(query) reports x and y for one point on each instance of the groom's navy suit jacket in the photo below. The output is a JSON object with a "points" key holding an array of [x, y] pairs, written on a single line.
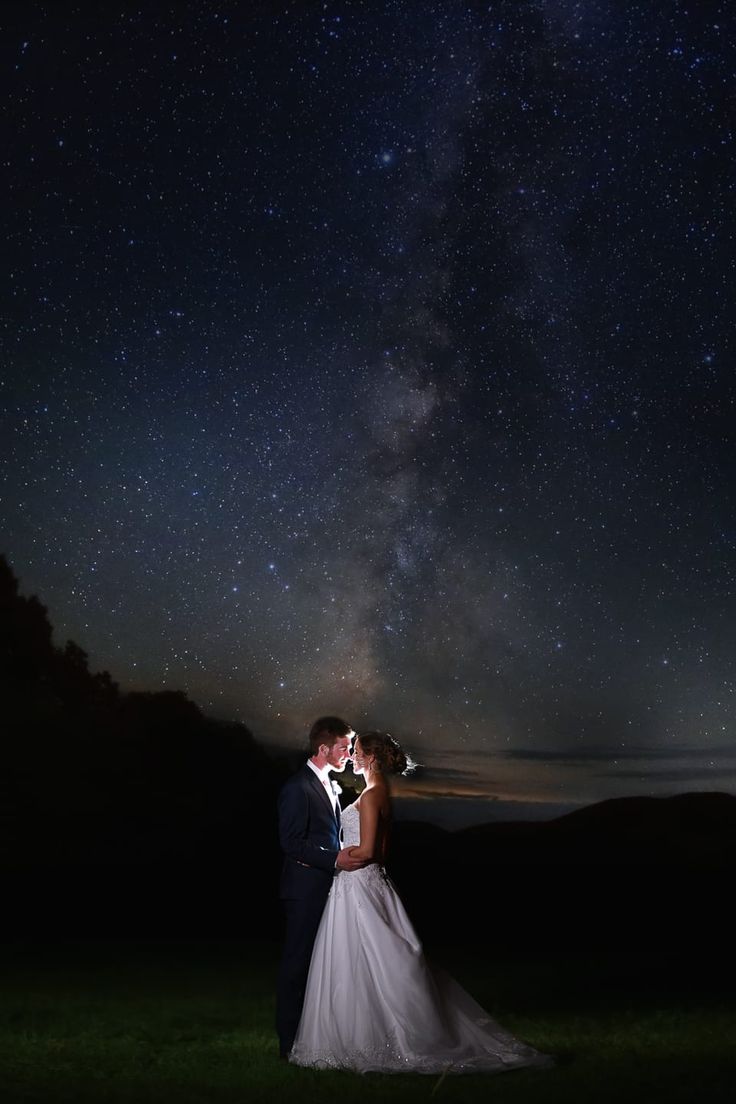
{"points": [[310, 837]]}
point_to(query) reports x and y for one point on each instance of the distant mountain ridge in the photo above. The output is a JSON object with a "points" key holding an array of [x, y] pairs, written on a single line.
{"points": [[627, 872], [706, 811], [689, 828]]}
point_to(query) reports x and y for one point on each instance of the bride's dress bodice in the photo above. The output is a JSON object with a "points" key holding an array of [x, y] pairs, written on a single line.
{"points": [[350, 820], [367, 875]]}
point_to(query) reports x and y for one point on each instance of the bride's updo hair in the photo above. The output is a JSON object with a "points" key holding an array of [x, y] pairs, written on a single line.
{"points": [[390, 758]]}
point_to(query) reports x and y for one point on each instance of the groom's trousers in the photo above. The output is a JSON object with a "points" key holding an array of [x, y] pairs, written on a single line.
{"points": [[302, 921]]}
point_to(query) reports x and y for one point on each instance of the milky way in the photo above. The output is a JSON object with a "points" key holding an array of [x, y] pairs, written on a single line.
{"points": [[376, 359]]}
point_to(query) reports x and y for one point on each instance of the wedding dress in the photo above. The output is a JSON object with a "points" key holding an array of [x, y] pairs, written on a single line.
{"points": [[373, 1004]]}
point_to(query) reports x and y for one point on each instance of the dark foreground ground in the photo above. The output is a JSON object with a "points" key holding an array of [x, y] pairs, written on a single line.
{"points": [[155, 985], [112, 1021]]}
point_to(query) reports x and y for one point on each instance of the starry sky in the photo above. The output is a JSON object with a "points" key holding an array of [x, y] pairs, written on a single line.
{"points": [[375, 358]]}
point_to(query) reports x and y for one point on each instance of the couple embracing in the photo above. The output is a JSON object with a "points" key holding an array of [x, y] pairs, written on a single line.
{"points": [[355, 991]]}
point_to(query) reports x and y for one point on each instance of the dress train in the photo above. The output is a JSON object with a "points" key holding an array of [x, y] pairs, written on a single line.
{"points": [[374, 1004]]}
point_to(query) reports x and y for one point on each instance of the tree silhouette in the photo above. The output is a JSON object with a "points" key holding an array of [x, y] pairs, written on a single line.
{"points": [[94, 777]]}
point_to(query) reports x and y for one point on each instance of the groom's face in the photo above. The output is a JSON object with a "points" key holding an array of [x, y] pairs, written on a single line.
{"points": [[339, 753]]}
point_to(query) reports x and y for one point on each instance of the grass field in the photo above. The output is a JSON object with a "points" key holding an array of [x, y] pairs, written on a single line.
{"points": [[133, 1023]]}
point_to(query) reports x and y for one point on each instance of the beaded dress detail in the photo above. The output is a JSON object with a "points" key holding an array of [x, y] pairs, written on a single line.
{"points": [[373, 1004]]}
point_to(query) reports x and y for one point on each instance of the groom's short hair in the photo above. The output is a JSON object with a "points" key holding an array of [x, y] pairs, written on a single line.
{"points": [[325, 731]]}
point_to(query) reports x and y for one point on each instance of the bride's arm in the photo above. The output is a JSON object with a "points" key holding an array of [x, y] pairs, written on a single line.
{"points": [[369, 810]]}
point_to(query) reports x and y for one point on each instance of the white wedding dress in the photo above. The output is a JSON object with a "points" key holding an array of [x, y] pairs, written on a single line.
{"points": [[373, 1004]]}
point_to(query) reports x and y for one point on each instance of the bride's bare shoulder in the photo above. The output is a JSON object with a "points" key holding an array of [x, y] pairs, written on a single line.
{"points": [[376, 798]]}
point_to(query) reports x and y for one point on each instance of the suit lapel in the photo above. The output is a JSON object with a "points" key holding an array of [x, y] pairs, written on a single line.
{"points": [[320, 789]]}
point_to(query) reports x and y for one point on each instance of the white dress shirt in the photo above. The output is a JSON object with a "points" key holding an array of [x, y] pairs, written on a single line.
{"points": [[324, 777]]}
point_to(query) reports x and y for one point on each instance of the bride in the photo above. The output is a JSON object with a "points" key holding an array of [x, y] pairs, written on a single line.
{"points": [[373, 1003]]}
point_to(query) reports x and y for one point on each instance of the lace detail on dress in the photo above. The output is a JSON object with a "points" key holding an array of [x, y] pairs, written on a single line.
{"points": [[371, 875], [350, 821], [391, 1058]]}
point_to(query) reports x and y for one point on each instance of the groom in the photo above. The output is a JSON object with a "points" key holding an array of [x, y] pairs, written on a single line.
{"points": [[309, 830]]}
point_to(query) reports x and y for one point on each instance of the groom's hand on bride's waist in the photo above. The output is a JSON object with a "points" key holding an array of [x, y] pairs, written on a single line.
{"points": [[346, 862]]}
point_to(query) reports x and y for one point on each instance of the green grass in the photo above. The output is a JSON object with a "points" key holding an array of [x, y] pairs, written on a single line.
{"points": [[192, 1024]]}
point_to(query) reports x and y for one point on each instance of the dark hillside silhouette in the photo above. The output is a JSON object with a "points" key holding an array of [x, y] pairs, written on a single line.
{"points": [[697, 828], [134, 799], [625, 870]]}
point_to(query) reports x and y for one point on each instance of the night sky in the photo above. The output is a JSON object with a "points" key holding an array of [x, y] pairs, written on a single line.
{"points": [[376, 359]]}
